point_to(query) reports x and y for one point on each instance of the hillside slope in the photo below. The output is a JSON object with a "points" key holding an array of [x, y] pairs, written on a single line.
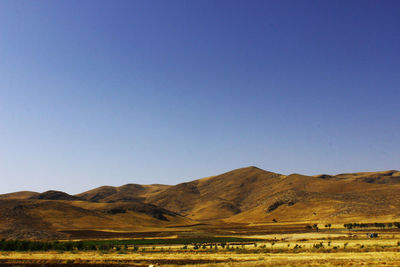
{"points": [[52, 219], [308, 199], [220, 196], [254, 195], [125, 193], [243, 196]]}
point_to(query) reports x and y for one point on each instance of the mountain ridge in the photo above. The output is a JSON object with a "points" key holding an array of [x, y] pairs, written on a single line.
{"points": [[245, 196]]}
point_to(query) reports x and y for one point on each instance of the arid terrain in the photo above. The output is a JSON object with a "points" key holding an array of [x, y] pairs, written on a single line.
{"points": [[287, 219]]}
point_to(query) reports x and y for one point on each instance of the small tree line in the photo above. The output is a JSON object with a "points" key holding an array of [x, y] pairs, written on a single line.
{"points": [[105, 245], [368, 225], [26, 245]]}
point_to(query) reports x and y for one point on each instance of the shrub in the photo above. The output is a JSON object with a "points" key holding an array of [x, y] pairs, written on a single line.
{"points": [[317, 246]]}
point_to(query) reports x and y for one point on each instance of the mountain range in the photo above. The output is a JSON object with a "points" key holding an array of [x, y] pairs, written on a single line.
{"points": [[245, 198]]}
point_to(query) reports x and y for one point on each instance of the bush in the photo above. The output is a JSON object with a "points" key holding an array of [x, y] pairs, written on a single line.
{"points": [[79, 245], [317, 246]]}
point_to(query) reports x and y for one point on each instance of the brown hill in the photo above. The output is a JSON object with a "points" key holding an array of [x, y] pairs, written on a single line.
{"points": [[19, 195], [252, 194], [209, 198], [54, 195], [247, 196], [49, 219], [307, 199], [382, 177], [219, 196], [128, 192]]}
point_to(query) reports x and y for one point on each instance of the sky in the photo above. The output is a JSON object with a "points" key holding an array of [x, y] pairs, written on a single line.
{"points": [[99, 93]]}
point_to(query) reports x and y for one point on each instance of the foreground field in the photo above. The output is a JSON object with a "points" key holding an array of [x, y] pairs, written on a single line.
{"points": [[331, 247], [218, 258]]}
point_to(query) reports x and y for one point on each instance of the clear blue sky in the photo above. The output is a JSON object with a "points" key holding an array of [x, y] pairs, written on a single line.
{"points": [[112, 92]]}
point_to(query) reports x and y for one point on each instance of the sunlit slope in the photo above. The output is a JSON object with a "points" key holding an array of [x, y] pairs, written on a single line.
{"points": [[382, 177], [252, 194], [128, 192], [247, 195], [220, 196], [19, 195], [47, 219], [209, 198], [298, 198]]}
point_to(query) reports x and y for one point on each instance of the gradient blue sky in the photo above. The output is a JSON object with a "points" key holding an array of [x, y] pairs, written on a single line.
{"points": [[112, 92]]}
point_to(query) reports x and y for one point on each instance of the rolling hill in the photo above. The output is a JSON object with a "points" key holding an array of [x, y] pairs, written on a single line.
{"points": [[246, 196]]}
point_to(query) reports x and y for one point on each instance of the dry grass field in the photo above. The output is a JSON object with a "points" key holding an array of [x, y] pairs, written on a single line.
{"points": [[198, 258], [334, 247]]}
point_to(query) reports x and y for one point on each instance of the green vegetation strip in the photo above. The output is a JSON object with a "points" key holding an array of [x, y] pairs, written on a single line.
{"points": [[25, 245], [172, 241], [370, 225]]}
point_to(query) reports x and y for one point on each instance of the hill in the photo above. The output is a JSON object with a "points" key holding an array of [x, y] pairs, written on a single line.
{"points": [[383, 177], [247, 196], [60, 219], [125, 193], [260, 196], [19, 195], [54, 195]]}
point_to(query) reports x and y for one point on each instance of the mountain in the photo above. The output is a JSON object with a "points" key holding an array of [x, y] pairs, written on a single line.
{"points": [[219, 196], [128, 192], [253, 194], [48, 219], [308, 199], [383, 177], [242, 197], [54, 195], [19, 195]]}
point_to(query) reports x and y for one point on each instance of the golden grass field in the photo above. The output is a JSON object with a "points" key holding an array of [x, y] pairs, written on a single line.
{"points": [[218, 258], [341, 247]]}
